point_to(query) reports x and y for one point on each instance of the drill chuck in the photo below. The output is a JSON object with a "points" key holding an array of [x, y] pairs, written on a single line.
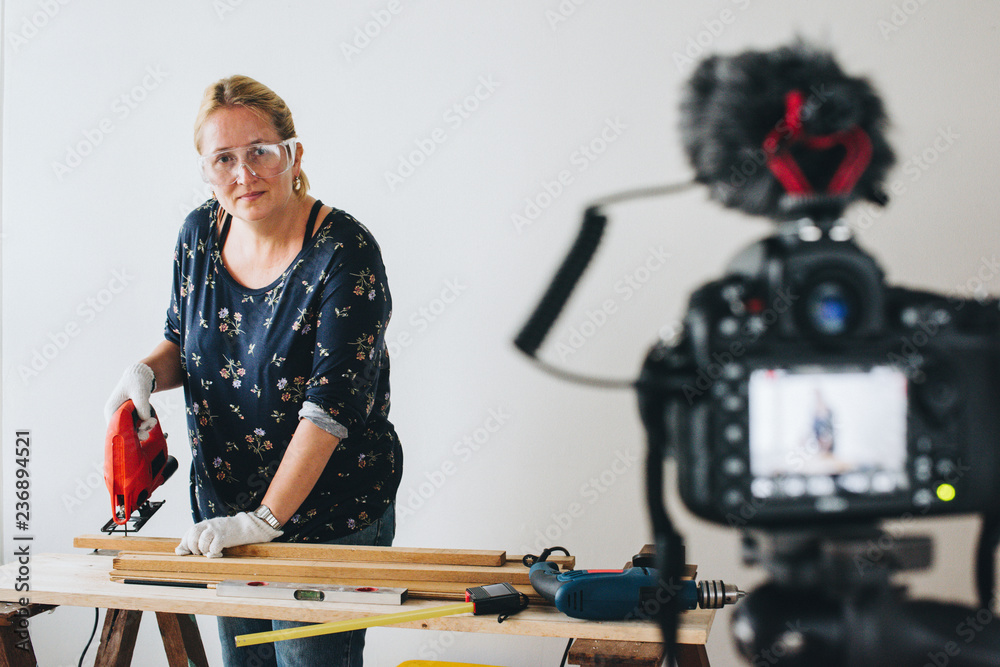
{"points": [[716, 594]]}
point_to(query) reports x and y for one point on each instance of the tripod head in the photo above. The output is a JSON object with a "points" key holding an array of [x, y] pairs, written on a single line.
{"points": [[831, 602]]}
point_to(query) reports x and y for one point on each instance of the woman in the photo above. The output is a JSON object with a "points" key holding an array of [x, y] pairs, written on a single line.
{"points": [[276, 332]]}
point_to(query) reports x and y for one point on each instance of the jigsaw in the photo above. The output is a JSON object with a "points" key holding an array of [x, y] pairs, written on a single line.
{"points": [[133, 469]]}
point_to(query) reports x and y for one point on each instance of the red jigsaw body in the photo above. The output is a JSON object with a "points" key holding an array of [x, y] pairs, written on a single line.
{"points": [[134, 469]]}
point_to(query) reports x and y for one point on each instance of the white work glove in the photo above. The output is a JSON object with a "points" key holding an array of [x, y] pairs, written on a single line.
{"points": [[136, 384], [212, 536]]}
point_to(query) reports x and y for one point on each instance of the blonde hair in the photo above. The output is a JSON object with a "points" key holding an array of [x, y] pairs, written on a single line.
{"points": [[242, 91]]}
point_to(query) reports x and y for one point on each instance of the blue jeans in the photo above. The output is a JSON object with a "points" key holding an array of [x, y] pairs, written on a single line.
{"points": [[344, 649]]}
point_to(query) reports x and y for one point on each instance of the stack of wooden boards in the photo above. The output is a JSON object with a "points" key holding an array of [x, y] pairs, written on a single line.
{"points": [[439, 574]]}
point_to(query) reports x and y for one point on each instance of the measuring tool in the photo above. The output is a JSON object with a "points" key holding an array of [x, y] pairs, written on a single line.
{"points": [[502, 599], [311, 593]]}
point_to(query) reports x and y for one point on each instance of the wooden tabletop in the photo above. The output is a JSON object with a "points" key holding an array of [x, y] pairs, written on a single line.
{"points": [[82, 580]]}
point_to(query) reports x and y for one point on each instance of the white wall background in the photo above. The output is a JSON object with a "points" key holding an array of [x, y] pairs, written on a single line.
{"points": [[98, 172]]}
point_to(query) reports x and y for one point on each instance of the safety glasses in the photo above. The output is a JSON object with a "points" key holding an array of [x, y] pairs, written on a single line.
{"points": [[262, 160]]}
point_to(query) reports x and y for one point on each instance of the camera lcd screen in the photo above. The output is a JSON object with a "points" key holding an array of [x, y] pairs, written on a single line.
{"points": [[827, 433]]}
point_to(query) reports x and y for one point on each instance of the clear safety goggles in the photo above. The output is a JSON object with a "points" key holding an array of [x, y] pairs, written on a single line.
{"points": [[262, 160]]}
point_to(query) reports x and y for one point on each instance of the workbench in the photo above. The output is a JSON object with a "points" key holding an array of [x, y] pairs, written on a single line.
{"points": [[82, 580]]}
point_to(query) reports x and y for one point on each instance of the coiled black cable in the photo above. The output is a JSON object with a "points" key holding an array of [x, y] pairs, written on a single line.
{"points": [[538, 325], [534, 331]]}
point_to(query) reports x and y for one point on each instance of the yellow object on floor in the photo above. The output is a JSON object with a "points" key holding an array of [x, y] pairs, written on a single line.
{"points": [[435, 663]]}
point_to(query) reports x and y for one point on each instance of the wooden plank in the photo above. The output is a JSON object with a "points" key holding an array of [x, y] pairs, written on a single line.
{"points": [[262, 568], [181, 640], [121, 626], [82, 580], [335, 552]]}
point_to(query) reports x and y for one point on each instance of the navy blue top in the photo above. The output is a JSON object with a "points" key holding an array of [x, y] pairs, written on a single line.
{"points": [[253, 358]]}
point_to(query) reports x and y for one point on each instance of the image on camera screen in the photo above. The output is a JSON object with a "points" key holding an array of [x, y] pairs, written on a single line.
{"points": [[822, 433]]}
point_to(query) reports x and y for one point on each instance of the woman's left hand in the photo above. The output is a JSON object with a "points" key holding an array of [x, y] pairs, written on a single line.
{"points": [[212, 536]]}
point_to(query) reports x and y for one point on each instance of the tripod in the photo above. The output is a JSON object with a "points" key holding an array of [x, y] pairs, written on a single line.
{"points": [[830, 602]]}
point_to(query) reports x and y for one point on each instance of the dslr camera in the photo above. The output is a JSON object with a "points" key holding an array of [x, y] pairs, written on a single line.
{"points": [[814, 391]]}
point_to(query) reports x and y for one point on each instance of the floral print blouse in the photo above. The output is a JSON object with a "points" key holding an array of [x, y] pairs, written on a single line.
{"points": [[311, 342]]}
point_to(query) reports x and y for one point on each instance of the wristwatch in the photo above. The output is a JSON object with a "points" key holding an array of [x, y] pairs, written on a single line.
{"points": [[264, 512]]}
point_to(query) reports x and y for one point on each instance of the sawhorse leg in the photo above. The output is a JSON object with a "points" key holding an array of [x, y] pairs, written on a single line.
{"points": [[605, 653], [15, 643], [181, 639], [118, 638]]}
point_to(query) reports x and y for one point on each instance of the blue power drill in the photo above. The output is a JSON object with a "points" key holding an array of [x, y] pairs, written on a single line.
{"points": [[612, 595]]}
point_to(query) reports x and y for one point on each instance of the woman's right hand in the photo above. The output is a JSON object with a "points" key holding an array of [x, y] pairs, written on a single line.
{"points": [[136, 384]]}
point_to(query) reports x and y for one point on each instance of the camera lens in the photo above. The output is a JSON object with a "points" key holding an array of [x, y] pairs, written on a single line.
{"points": [[831, 308]]}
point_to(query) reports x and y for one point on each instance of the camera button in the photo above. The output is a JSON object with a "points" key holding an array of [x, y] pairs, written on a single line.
{"points": [[910, 317], [733, 433], [762, 487], [733, 292], [734, 466], [922, 469], [733, 498], [793, 487], [883, 482], [732, 371], [756, 326], [945, 468], [855, 482], [732, 403], [821, 486], [729, 327]]}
